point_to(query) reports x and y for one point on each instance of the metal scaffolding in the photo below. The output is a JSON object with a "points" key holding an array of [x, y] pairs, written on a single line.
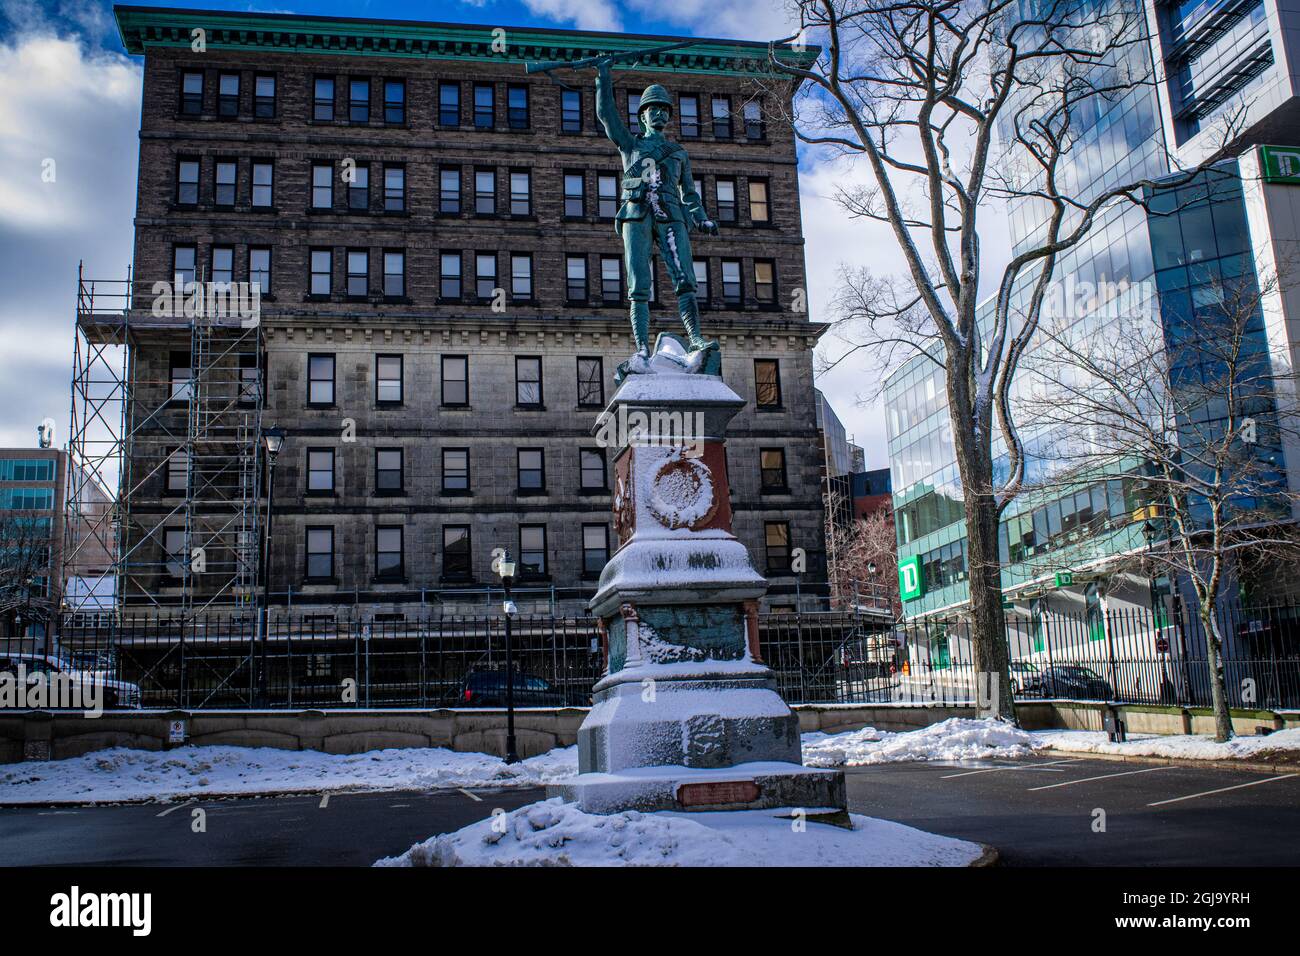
{"points": [[167, 402]]}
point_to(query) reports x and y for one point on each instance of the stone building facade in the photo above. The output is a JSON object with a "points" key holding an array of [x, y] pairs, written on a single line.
{"points": [[443, 298]]}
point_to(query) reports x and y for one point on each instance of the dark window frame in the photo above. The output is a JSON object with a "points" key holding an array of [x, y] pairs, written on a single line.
{"points": [[772, 480], [540, 487], [760, 385], [588, 570], [333, 379], [446, 488], [318, 102], [443, 380], [541, 572], [541, 392], [309, 471], [392, 490], [308, 554], [401, 380], [599, 381], [398, 573], [603, 487], [459, 572]]}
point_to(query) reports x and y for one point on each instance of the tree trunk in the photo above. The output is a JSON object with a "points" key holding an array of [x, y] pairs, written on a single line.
{"points": [[988, 621], [1218, 686]]}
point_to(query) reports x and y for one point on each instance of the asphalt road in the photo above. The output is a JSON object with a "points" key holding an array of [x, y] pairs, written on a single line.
{"points": [[1040, 811]]}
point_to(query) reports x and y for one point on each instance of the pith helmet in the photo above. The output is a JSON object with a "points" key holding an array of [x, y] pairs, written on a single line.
{"points": [[655, 95]]}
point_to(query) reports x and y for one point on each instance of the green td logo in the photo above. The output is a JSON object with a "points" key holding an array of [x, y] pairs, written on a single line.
{"points": [[911, 584]]}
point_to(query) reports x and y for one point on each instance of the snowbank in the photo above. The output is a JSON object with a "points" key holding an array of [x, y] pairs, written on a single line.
{"points": [[1282, 743], [108, 776], [958, 738], [554, 833]]}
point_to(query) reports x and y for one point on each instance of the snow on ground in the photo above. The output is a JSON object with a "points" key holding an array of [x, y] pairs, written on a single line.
{"points": [[1282, 745], [554, 833], [108, 776], [958, 738]]}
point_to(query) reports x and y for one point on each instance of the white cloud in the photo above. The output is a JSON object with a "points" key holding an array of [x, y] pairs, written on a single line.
{"points": [[734, 19], [583, 14]]}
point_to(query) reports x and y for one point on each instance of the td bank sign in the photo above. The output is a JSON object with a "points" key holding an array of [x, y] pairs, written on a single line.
{"points": [[911, 582], [1280, 164]]}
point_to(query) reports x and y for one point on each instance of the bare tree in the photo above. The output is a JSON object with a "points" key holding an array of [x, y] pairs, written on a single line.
{"points": [[1192, 408], [24, 571], [955, 106]]}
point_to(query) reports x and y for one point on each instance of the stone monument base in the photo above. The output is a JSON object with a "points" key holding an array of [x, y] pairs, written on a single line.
{"points": [[746, 786]]}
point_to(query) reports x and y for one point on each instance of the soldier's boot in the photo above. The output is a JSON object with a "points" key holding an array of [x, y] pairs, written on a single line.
{"points": [[640, 316], [689, 309]]}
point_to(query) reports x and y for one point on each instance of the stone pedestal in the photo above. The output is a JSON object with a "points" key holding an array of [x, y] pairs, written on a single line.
{"points": [[687, 717]]}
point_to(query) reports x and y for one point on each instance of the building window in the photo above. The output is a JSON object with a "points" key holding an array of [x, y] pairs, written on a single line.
{"points": [[358, 273], [485, 275], [521, 193], [178, 471], [394, 275], [259, 268], [225, 176], [532, 469], [754, 128], [322, 269], [322, 107], [765, 281], [484, 106], [771, 464], [223, 265], [611, 278], [731, 287], [320, 471], [228, 94], [448, 104], [181, 376], [591, 381], [320, 553], [575, 203], [183, 265], [595, 549], [456, 552], [388, 471], [322, 186], [591, 465], [455, 380], [250, 379], [776, 535], [575, 278], [388, 379], [760, 213], [395, 102], [528, 381], [517, 107], [701, 281], [688, 116], [449, 190], [455, 471], [191, 94], [187, 182], [394, 188], [607, 196], [571, 111], [359, 101], [521, 277], [263, 185], [634, 111], [532, 550], [359, 189], [722, 117], [485, 192], [767, 383], [389, 563], [726, 204], [174, 552], [320, 380], [449, 276], [264, 97]]}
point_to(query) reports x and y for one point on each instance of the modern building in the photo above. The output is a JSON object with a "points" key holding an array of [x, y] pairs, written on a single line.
{"points": [[1077, 550], [442, 308]]}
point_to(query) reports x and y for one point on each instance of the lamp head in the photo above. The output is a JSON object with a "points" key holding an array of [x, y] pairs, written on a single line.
{"points": [[273, 437]]}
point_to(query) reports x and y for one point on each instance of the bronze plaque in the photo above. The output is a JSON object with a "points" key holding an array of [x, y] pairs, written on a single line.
{"points": [[722, 792]]}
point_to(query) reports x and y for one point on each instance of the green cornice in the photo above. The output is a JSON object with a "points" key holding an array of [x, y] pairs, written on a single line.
{"points": [[144, 28]]}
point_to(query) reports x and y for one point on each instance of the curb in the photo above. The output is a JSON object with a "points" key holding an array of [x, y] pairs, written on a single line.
{"points": [[180, 799], [1252, 765], [989, 857]]}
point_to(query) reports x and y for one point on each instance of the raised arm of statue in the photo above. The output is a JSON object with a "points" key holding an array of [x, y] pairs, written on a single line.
{"points": [[607, 109]]}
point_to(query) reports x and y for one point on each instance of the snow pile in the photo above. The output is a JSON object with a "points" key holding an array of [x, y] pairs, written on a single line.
{"points": [[1283, 745], [554, 833], [955, 739], [107, 776]]}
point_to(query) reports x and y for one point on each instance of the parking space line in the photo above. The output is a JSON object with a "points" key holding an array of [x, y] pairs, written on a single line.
{"points": [[1036, 766], [1208, 793], [1105, 776], [176, 806]]}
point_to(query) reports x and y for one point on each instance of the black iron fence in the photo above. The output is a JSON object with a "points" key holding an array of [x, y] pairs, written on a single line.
{"points": [[441, 661]]}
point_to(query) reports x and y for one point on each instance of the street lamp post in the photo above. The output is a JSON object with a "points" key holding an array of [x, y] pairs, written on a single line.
{"points": [[506, 568], [1149, 532], [273, 439]]}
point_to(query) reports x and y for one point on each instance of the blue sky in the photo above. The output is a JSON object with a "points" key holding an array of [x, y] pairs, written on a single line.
{"points": [[72, 105]]}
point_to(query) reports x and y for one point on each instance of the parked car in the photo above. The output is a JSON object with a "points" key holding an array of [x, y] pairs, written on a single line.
{"points": [[1075, 680], [484, 688], [1026, 679], [116, 693]]}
